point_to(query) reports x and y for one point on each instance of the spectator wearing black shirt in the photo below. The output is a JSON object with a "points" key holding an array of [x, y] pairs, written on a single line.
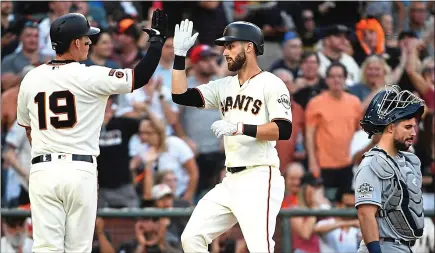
{"points": [[292, 52], [308, 32], [310, 84], [116, 188], [209, 19], [398, 59]]}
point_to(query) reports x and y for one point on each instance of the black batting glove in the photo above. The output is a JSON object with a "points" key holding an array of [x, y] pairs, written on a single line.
{"points": [[159, 27]]}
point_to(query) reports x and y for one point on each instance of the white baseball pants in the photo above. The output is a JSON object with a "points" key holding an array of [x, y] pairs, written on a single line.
{"points": [[252, 197], [63, 203]]}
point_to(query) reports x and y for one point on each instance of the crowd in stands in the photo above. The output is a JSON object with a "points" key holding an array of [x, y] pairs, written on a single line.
{"points": [[333, 56]]}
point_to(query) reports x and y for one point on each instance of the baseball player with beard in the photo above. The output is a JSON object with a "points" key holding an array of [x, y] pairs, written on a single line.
{"points": [[61, 104], [388, 181], [255, 110]]}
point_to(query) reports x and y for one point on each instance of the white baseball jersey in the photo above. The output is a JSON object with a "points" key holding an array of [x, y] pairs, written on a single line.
{"points": [[64, 105], [260, 100]]}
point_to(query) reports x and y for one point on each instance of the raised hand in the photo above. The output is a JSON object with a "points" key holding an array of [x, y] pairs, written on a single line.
{"points": [[183, 38], [159, 27]]}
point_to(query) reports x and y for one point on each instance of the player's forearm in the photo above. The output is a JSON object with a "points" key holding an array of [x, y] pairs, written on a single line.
{"points": [[368, 224], [144, 69], [268, 132], [179, 78], [272, 131]]}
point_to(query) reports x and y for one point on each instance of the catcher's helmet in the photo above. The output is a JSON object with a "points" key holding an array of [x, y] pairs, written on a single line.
{"points": [[388, 106], [243, 31], [69, 27]]}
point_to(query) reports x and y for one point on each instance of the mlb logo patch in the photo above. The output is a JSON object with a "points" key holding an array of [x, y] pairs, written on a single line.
{"points": [[62, 157]]}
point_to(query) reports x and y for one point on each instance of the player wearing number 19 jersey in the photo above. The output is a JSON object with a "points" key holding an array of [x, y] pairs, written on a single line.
{"points": [[61, 104]]}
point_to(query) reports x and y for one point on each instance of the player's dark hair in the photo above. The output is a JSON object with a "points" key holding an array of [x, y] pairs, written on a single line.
{"points": [[62, 48], [334, 65]]}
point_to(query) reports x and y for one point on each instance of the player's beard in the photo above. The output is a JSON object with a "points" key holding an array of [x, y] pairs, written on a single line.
{"points": [[401, 145], [237, 63]]}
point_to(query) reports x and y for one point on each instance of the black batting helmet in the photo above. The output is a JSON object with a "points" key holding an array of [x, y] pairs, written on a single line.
{"points": [[69, 27], [388, 106], [243, 31]]}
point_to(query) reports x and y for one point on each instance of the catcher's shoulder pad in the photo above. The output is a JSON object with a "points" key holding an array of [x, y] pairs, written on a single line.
{"points": [[379, 164], [413, 160]]}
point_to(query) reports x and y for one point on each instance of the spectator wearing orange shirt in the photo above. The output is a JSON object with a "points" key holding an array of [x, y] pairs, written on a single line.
{"points": [[332, 118]]}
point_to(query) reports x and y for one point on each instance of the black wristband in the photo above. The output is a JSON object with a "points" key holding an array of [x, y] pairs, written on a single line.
{"points": [[250, 130], [374, 247], [179, 62]]}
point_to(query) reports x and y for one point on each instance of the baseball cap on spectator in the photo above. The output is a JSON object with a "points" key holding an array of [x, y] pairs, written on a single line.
{"points": [[407, 34], [200, 52], [161, 190], [127, 26], [310, 179], [289, 36], [334, 30]]}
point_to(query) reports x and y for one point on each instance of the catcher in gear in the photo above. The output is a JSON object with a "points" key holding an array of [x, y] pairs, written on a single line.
{"points": [[388, 181]]}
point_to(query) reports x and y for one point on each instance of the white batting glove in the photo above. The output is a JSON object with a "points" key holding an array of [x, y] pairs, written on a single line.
{"points": [[226, 128], [183, 39]]}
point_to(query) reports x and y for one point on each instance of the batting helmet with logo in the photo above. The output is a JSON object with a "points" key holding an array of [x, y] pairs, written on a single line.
{"points": [[388, 106], [69, 27], [243, 31]]}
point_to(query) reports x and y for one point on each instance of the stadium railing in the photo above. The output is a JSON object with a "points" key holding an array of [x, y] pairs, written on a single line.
{"points": [[284, 216]]}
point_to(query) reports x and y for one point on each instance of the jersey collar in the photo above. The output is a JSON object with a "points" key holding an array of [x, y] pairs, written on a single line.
{"points": [[60, 62]]}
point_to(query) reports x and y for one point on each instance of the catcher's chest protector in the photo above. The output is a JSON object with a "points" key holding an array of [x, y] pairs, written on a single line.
{"points": [[403, 208]]}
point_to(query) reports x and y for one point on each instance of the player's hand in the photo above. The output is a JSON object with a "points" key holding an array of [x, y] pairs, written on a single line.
{"points": [[226, 128], [183, 38], [159, 27]]}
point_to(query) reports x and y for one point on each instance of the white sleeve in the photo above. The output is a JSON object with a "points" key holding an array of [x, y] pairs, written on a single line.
{"points": [[277, 99], [210, 94], [23, 117], [106, 81], [16, 135], [182, 150]]}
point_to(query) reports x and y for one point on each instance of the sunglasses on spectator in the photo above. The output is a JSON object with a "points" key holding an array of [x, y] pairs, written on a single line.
{"points": [[307, 18]]}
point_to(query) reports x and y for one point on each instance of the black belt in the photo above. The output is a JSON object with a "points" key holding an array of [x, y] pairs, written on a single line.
{"points": [[47, 158], [235, 169], [407, 243]]}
